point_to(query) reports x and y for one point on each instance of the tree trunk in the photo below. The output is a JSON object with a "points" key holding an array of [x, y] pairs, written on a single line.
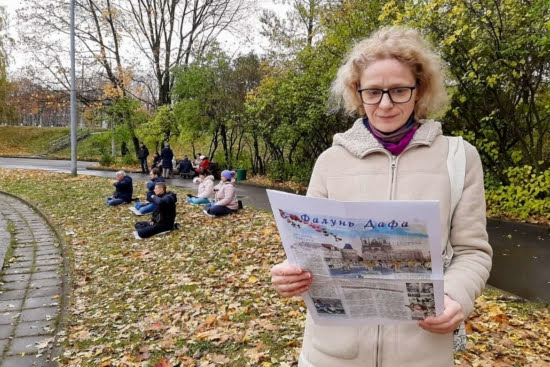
{"points": [[135, 140], [223, 133], [113, 145]]}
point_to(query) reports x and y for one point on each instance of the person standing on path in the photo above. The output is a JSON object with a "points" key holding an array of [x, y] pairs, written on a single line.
{"points": [[124, 189], [143, 153], [167, 154], [393, 80]]}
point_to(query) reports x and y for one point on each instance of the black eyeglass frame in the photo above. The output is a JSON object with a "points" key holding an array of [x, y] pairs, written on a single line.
{"points": [[386, 91]]}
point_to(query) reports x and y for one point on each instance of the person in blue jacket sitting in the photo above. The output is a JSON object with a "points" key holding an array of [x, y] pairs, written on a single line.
{"points": [[146, 207], [124, 189]]}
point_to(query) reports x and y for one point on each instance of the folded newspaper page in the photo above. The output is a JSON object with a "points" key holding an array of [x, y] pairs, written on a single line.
{"points": [[373, 262]]}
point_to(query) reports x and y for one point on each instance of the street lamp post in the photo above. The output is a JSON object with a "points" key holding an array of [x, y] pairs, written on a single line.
{"points": [[73, 95]]}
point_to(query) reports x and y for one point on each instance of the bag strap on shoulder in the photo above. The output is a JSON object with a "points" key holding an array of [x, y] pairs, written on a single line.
{"points": [[456, 165]]}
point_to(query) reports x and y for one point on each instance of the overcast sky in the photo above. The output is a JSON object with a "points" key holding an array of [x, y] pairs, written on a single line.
{"points": [[228, 42]]}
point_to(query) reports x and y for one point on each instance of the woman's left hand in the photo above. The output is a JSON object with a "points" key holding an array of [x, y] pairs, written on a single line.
{"points": [[448, 321]]}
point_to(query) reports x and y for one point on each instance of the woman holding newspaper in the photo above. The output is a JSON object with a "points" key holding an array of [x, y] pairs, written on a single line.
{"points": [[394, 80]]}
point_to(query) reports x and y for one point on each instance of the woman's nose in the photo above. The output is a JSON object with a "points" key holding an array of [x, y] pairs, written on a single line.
{"points": [[386, 101]]}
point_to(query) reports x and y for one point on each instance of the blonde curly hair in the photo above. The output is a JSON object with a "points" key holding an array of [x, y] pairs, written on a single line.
{"points": [[405, 45]]}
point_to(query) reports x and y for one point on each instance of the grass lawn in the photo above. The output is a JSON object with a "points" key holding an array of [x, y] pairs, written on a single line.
{"points": [[29, 141], [22, 140], [200, 296]]}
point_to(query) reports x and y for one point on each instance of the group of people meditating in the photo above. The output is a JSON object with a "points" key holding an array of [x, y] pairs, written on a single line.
{"points": [[225, 197], [162, 203]]}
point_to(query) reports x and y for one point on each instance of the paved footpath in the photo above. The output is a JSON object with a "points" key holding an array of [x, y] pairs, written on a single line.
{"points": [[31, 286]]}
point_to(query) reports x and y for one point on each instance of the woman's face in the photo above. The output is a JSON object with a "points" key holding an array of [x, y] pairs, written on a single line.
{"points": [[387, 116]]}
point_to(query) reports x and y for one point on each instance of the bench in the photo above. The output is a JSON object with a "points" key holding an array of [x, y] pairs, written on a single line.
{"points": [[188, 175]]}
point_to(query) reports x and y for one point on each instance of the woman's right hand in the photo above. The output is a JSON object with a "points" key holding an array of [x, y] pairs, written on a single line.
{"points": [[290, 280]]}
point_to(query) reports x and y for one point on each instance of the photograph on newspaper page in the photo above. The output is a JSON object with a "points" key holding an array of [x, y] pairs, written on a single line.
{"points": [[372, 262]]}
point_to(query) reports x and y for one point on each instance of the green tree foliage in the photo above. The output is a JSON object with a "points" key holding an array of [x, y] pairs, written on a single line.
{"points": [[289, 114], [210, 96], [159, 128], [498, 57], [125, 115], [202, 105], [498, 54], [289, 109]]}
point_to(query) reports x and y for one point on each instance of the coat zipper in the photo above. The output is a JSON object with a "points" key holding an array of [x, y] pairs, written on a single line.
{"points": [[378, 342], [393, 166]]}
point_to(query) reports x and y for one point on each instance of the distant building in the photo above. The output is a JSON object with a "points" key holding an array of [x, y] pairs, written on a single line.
{"points": [[350, 255], [380, 249]]}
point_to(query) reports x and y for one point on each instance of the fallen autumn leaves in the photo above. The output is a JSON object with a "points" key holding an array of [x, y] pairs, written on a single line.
{"points": [[200, 296]]}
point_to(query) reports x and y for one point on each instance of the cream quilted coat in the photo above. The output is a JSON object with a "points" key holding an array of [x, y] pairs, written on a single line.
{"points": [[358, 168]]}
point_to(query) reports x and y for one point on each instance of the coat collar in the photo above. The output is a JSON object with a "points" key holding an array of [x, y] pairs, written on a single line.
{"points": [[359, 141]]}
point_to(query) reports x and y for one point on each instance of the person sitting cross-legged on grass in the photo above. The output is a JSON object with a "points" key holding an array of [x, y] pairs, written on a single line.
{"points": [[206, 188], [124, 189], [146, 207], [163, 216], [226, 197]]}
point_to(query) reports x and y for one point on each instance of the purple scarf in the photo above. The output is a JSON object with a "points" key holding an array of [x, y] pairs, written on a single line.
{"points": [[396, 141]]}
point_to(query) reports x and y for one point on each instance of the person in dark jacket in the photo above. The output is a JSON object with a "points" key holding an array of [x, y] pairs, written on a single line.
{"points": [[166, 154], [146, 207], [143, 153], [157, 161], [164, 214], [185, 166], [124, 189]]}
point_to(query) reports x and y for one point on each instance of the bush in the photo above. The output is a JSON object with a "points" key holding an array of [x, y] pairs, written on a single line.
{"points": [[284, 172], [106, 160], [101, 143], [129, 160], [242, 163], [527, 195]]}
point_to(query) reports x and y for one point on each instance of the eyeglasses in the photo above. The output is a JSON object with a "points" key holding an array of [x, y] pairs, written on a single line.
{"points": [[372, 96]]}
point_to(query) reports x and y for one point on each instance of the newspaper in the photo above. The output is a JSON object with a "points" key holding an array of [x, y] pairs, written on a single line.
{"points": [[374, 262]]}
